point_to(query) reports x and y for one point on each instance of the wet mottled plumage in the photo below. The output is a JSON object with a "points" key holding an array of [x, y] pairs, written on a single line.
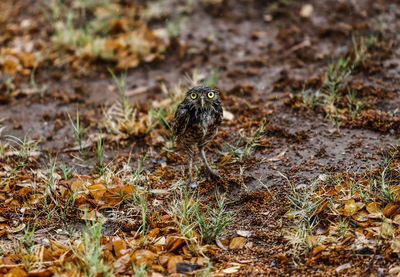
{"points": [[196, 123]]}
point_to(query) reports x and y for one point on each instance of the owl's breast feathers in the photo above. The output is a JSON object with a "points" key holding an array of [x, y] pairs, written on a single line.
{"points": [[194, 126]]}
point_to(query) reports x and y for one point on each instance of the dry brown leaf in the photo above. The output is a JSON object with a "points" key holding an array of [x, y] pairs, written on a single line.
{"points": [[172, 263], [17, 229], [97, 190], [318, 249], [174, 243], [16, 272], [391, 209], [237, 243], [395, 190], [232, 269], [396, 219], [118, 247], [375, 210], [312, 241], [351, 207], [143, 256], [221, 245], [386, 229], [243, 233], [343, 267], [122, 263], [362, 216], [395, 245]]}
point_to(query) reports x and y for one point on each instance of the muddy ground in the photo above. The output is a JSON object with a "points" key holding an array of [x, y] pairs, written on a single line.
{"points": [[265, 51]]}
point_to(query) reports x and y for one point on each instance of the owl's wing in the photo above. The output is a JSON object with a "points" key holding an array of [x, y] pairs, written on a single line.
{"points": [[180, 120], [218, 114]]}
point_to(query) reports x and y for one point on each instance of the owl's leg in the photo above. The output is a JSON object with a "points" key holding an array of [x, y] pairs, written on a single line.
{"points": [[211, 172], [190, 161]]}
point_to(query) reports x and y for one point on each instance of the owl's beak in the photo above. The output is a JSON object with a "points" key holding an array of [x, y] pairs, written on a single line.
{"points": [[202, 101]]}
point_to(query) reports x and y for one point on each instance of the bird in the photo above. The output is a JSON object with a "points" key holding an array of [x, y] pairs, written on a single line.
{"points": [[196, 123]]}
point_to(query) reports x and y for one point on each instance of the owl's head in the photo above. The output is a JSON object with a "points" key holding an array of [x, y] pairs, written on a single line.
{"points": [[202, 97]]}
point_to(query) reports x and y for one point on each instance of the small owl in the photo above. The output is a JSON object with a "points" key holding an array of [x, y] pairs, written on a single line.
{"points": [[196, 122]]}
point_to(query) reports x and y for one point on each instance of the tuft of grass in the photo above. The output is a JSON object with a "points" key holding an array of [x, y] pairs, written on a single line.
{"points": [[191, 218], [304, 204], [27, 243], [122, 118], [51, 181], [213, 221], [126, 107], [67, 172], [78, 132], [361, 47], [93, 263], [36, 89], [24, 148], [337, 73], [246, 144], [69, 203], [353, 105], [139, 199], [328, 97]]}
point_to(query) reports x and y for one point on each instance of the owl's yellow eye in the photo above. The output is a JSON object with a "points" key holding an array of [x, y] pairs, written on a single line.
{"points": [[211, 94], [193, 95]]}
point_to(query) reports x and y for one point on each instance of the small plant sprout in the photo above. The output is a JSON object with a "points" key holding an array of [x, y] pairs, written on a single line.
{"points": [[305, 203], [139, 199], [183, 210], [100, 155], [190, 217], [361, 47], [78, 131], [142, 197], [91, 254], [337, 73], [36, 89], [69, 202], [353, 105], [24, 150], [51, 181], [126, 107], [213, 221], [310, 97], [246, 145], [27, 239], [66, 171], [27, 243]]}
